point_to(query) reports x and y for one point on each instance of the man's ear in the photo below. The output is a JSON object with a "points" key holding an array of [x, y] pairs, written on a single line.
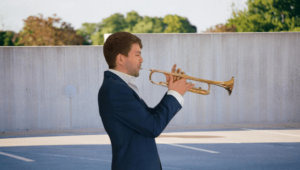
{"points": [[120, 59]]}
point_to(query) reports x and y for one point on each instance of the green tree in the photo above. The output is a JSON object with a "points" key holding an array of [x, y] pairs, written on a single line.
{"points": [[112, 24], [149, 25], [267, 16], [6, 38], [178, 24], [131, 20], [98, 38], [221, 28], [135, 23], [86, 30]]}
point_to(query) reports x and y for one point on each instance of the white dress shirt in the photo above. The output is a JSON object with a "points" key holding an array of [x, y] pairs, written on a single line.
{"points": [[130, 80]]}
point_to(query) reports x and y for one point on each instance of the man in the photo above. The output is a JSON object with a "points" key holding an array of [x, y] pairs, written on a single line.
{"points": [[132, 126]]}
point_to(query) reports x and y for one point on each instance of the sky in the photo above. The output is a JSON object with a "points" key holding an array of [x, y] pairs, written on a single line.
{"points": [[201, 13]]}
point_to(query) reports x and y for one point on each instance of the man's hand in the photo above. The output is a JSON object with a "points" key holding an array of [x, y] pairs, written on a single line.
{"points": [[175, 78], [178, 84]]}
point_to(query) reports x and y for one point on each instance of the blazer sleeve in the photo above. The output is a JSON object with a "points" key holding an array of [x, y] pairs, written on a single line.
{"points": [[150, 109], [128, 110]]}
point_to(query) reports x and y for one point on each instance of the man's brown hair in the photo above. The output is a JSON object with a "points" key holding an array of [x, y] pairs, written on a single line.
{"points": [[119, 43]]}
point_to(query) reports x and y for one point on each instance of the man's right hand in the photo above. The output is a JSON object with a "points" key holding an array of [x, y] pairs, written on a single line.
{"points": [[180, 86]]}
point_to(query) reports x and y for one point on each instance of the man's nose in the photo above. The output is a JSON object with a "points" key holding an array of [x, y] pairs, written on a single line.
{"points": [[141, 59]]}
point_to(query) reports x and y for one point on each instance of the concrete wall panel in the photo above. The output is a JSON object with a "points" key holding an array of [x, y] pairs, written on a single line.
{"points": [[265, 67]]}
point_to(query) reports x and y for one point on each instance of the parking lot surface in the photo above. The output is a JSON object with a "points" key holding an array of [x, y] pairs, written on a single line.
{"points": [[211, 149]]}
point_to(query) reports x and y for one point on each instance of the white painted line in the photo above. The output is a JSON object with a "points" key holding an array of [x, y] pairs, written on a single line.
{"points": [[17, 157], [225, 141], [272, 132], [65, 156], [188, 147], [167, 167]]}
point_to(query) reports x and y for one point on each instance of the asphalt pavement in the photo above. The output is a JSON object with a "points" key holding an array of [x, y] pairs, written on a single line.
{"points": [[236, 149]]}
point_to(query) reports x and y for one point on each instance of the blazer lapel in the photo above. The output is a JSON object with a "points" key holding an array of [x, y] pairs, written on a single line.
{"points": [[116, 77]]}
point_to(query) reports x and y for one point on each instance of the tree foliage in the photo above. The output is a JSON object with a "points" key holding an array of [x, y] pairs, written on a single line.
{"points": [[267, 16], [178, 24], [86, 31], [39, 31], [131, 20], [222, 28], [135, 23], [149, 25], [6, 38]]}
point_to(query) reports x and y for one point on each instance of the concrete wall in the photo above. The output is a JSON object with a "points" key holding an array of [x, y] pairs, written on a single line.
{"points": [[266, 67], [33, 82]]}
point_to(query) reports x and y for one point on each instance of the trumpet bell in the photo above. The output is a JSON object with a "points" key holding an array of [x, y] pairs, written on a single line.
{"points": [[228, 85]]}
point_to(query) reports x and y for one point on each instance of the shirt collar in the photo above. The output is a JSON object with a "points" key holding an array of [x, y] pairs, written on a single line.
{"points": [[125, 77]]}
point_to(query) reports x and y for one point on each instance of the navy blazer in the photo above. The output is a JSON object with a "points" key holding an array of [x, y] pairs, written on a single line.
{"points": [[131, 125]]}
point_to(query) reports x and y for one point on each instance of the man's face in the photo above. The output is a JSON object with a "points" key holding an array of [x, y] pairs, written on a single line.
{"points": [[133, 62]]}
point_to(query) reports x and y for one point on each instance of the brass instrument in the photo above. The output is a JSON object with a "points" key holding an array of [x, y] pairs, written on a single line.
{"points": [[228, 85]]}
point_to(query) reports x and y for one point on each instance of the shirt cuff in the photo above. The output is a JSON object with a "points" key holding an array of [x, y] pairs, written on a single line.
{"points": [[178, 96]]}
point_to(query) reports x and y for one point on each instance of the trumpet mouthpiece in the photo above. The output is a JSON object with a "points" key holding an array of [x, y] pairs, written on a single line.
{"points": [[145, 69]]}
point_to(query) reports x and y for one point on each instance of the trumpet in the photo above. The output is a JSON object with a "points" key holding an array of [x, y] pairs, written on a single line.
{"points": [[228, 85]]}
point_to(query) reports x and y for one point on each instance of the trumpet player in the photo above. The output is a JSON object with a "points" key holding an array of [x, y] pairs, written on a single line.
{"points": [[132, 126]]}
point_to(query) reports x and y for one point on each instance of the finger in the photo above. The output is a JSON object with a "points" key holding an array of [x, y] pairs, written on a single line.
{"points": [[173, 71], [190, 86], [170, 80], [167, 77], [178, 72], [174, 68], [182, 73]]}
